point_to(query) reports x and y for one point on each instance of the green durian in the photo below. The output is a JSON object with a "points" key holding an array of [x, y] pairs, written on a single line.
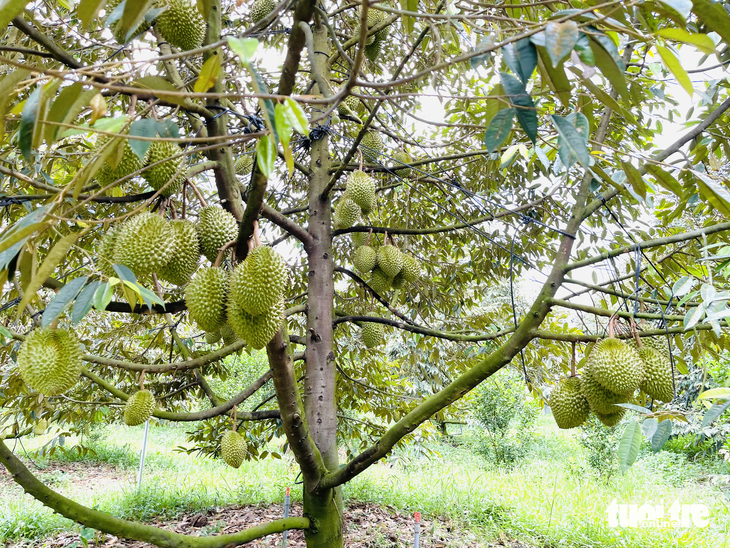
{"points": [[600, 400], [257, 331], [372, 146], [105, 251], [657, 381], [185, 259], [372, 334], [233, 448], [611, 419], [358, 238], [212, 337], [40, 427], [229, 336], [170, 171], [205, 297], [139, 408], [243, 164], [259, 281], [261, 8], [216, 227], [49, 360], [182, 24], [347, 212], [360, 187], [129, 163], [145, 244], [390, 260], [411, 268], [400, 159], [380, 282], [365, 259], [616, 366], [568, 404]]}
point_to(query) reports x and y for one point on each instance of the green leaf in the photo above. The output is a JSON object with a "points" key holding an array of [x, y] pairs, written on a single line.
{"points": [[649, 427], [208, 74], [7, 92], [560, 39], [158, 85], [713, 15], [66, 99], [266, 155], [701, 41], [499, 129], [267, 105], [628, 447], [168, 129], [572, 130], [88, 10], [714, 412], [133, 15], [112, 125], [146, 127], [665, 179], [682, 7], [719, 393], [243, 47], [554, 77], [682, 286], [482, 58], [22, 234], [283, 125], [53, 259], [660, 437], [521, 58], [713, 191], [27, 122], [103, 295], [84, 302], [62, 299], [9, 9], [634, 177], [524, 106], [583, 47], [693, 316], [675, 67], [609, 67], [297, 117]]}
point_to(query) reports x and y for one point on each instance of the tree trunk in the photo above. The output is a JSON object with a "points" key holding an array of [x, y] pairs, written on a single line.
{"points": [[324, 509]]}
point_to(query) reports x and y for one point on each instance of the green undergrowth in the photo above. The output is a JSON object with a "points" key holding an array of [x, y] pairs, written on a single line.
{"points": [[553, 498]]}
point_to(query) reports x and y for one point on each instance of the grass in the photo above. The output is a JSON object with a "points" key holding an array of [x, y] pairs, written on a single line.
{"points": [[552, 499]]}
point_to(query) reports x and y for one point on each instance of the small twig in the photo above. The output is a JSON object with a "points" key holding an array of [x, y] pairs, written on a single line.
{"points": [[222, 252], [141, 379], [198, 194]]}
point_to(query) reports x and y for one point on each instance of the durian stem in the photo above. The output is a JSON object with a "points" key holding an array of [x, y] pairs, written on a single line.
{"points": [[572, 360], [611, 323], [635, 332], [234, 426], [222, 252], [370, 234], [202, 201], [141, 379]]}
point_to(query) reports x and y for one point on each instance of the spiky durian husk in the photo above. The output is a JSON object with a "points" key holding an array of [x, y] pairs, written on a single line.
{"points": [[380, 282], [372, 334], [358, 238], [600, 400], [182, 24], [261, 8], [49, 360], [360, 187], [259, 281], [243, 165], [205, 297], [568, 404], [347, 212], [129, 163], [233, 448], [616, 366], [145, 244], [657, 381], [371, 145], [400, 159], [139, 408], [228, 335], [257, 331], [105, 251], [365, 258], [411, 268], [212, 337], [390, 260], [170, 171], [611, 419], [40, 427], [184, 261], [216, 227]]}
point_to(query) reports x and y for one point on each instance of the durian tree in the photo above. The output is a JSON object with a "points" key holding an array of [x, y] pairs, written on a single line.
{"points": [[187, 180]]}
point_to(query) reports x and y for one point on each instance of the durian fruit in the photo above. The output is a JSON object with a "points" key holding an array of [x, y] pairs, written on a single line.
{"points": [[365, 258], [347, 212], [375, 48], [261, 8], [129, 163], [380, 282], [616, 366], [349, 107], [115, 27], [259, 281], [182, 24], [205, 297], [612, 419], [371, 146], [145, 244], [257, 331], [360, 187], [184, 261], [657, 381], [212, 337], [49, 360], [411, 268], [399, 282], [216, 227], [400, 159], [139, 408], [372, 334], [40, 427], [233, 448], [229, 336], [172, 171], [358, 238], [390, 260], [568, 404], [105, 251], [243, 164], [600, 400]]}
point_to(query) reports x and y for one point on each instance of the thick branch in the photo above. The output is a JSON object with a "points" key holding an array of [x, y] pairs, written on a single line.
{"points": [[425, 330], [580, 337], [598, 311], [130, 529]]}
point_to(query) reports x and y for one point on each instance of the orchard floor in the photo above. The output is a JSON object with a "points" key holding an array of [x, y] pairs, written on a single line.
{"points": [[551, 499]]}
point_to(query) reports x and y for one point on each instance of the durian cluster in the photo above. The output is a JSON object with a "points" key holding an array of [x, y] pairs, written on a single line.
{"points": [[170, 170], [359, 198], [148, 243], [247, 303], [388, 266], [375, 42], [49, 360], [614, 371]]}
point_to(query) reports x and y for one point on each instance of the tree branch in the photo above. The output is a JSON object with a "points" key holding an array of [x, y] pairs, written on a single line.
{"points": [[425, 330], [598, 311]]}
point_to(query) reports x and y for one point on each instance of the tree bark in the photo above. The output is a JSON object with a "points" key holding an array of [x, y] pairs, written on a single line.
{"points": [[323, 507]]}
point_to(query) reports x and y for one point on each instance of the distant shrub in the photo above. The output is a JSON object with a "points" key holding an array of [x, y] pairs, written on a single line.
{"points": [[504, 419], [601, 444]]}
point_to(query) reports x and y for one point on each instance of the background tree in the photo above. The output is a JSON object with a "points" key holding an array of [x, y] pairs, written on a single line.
{"points": [[546, 162]]}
